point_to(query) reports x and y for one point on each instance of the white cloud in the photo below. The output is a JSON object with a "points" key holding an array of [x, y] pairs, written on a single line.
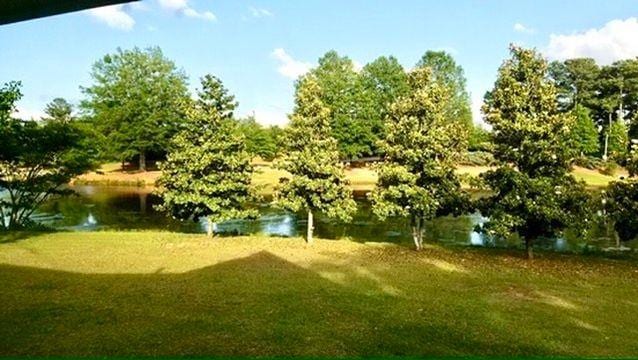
{"points": [[271, 117], [288, 66], [518, 27], [27, 114], [113, 16], [260, 12], [616, 40], [182, 7]]}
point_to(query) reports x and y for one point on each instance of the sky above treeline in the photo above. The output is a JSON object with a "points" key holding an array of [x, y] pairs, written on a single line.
{"points": [[258, 48]]}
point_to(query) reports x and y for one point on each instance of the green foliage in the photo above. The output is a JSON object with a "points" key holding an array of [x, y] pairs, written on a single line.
{"points": [[311, 156], [208, 171], [632, 159], [479, 139], [9, 95], [618, 141], [528, 129], [534, 195], [608, 168], [621, 207], [478, 158], [36, 160], [382, 82], [584, 136], [136, 101], [449, 74], [576, 82], [260, 141], [532, 206], [59, 110], [342, 94], [416, 178]]}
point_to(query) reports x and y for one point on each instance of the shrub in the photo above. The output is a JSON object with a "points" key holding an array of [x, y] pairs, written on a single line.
{"points": [[478, 158]]}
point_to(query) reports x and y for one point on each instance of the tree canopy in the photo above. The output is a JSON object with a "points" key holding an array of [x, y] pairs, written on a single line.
{"points": [[533, 193], [136, 100], [421, 147], [450, 75], [36, 160], [317, 181], [207, 173]]}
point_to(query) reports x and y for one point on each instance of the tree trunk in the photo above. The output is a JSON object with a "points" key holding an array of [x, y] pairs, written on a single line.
{"points": [[605, 154], [529, 248], [211, 225], [143, 203], [417, 233], [311, 227], [142, 161]]}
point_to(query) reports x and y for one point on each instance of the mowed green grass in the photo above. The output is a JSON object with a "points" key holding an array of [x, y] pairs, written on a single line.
{"points": [[266, 177], [149, 293]]}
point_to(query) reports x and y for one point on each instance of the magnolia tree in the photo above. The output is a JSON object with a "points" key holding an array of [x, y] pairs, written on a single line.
{"points": [[533, 193], [207, 173], [317, 181], [416, 178], [620, 200]]}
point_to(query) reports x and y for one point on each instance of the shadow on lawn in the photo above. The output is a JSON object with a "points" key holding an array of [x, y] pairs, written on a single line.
{"points": [[261, 305]]}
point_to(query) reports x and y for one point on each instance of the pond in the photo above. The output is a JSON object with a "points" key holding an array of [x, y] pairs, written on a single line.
{"points": [[130, 208]]}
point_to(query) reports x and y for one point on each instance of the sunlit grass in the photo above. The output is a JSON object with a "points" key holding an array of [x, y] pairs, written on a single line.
{"points": [[150, 293], [266, 176]]}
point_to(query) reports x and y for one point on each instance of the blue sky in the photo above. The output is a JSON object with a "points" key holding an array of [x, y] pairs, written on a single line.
{"points": [[258, 47]]}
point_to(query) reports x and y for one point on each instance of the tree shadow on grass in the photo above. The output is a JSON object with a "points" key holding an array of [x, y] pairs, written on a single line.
{"points": [[8, 237], [257, 305]]}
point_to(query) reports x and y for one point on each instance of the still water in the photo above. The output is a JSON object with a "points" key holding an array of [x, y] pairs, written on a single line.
{"points": [[129, 208]]}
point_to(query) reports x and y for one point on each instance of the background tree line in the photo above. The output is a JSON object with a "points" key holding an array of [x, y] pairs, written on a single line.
{"points": [[136, 98], [418, 122], [605, 102]]}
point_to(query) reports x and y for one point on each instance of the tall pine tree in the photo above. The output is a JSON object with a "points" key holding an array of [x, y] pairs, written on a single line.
{"points": [[311, 156], [208, 171]]}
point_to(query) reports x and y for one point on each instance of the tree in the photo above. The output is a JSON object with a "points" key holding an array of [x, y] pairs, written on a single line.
{"points": [[576, 82], [618, 141], [632, 159], [260, 141], [534, 195], [36, 160], [342, 93], [479, 139], [136, 101], [208, 171], [449, 74], [59, 110], [382, 82], [584, 136], [621, 207], [311, 156], [421, 147]]}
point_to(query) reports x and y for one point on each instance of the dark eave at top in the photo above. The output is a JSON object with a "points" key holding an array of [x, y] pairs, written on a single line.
{"points": [[20, 10]]}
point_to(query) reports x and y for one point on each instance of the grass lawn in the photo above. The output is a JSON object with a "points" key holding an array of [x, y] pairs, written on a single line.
{"points": [[266, 177], [149, 293]]}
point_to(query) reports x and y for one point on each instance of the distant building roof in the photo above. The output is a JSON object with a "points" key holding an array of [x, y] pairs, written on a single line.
{"points": [[19, 10]]}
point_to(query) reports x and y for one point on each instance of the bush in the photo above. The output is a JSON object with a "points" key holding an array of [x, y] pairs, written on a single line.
{"points": [[621, 206], [589, 162], [478, 158], [608, 168]]}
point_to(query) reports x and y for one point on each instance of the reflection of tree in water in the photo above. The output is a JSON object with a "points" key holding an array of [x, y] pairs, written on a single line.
{"points": [[133, 209]]}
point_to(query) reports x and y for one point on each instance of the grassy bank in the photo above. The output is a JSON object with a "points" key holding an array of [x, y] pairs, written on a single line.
{"points": [[266, 177], [152, 293]]}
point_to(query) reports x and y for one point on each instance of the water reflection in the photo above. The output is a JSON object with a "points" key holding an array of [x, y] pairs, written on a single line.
{"points": [[125, 208]]}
